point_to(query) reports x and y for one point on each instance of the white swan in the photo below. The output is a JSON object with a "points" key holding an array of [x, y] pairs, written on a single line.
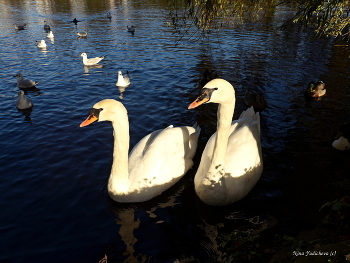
{"points": [[123, 80], [23, 102], [157, 162], [25, 83], [90, 61], [231, 162]]}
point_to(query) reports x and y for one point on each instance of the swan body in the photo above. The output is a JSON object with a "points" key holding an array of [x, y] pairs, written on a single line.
{"points": [[23, 102], [316, 89], [41, 44], [90, 61], [341, 141], [231, 162], [25, 83], [157, 162], [123, 80], [82, 34], [46, 26], [256, 99]]}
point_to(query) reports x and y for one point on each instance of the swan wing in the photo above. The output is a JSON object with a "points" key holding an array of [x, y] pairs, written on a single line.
{"points": [[161, 158]]}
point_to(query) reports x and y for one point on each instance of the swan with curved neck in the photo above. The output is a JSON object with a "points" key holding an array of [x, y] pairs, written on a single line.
{"points": [[231, 162], [157, 162]]}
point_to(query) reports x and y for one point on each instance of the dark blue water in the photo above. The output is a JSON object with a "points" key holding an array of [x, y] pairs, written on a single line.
{"points": [[54, 202]]}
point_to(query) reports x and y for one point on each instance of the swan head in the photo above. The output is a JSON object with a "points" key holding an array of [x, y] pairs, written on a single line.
{"points": [[215, 91], [105, 110]]}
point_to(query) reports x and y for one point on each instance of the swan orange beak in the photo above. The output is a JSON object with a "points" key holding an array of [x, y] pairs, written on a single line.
{"points": [[90, 119], [200, 100]]}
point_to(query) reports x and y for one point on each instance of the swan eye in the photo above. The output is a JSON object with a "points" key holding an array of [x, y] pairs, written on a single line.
{"points": [[95, 112], [216, 88]]}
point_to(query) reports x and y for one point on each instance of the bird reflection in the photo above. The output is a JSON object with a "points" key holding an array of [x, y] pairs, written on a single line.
{"points": [[121, 90], [26, 113], [87, 68]]}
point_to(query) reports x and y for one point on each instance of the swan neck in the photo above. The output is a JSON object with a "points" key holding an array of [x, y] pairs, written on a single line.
{"points": [[225, 114], [119, 172]]}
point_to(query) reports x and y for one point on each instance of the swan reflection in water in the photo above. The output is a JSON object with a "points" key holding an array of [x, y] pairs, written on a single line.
{"points": [[160, 230]]}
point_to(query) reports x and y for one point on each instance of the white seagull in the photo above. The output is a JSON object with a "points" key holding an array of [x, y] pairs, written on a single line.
{"points": [[50, 34], [41, 44], [123, 80], [90, 61], [82, 34], [25, 83], [23, 102]]}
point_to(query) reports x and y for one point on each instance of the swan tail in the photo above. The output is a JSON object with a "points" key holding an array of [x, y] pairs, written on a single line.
{"points": [[197, 128], [251, 114]]}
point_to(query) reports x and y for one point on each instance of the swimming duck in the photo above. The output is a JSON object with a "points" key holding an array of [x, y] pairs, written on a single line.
{"points": [[316, 89], [75, 21], [109, 15], [130, 29], [46, 26], [255, 98], [20, 27], [25, 83], [90, 61], [23, 102], [341, 140]]}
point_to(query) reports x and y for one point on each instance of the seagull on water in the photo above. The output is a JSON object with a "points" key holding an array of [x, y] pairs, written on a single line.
{"points": [[41, 44], [82, 34], [90, 61], [25, 83], [123, 80], [23, 102]]}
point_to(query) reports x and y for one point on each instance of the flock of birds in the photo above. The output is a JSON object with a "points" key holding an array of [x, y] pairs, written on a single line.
{"points": [[24, 103], [231, 163]]}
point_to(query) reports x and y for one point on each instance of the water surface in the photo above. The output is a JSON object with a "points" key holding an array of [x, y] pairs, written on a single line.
{"points": [[54, 201]]}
